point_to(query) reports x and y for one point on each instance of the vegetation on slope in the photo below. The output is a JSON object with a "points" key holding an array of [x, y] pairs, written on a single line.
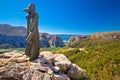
{"points": [[100, 59]]}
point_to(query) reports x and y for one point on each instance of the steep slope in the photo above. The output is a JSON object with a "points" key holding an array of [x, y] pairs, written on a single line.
{"points": [[94, 39], [100, 55], [47, 40]]}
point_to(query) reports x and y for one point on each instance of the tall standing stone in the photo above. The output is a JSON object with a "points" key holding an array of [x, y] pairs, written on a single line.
{"points": [[32, 47]]}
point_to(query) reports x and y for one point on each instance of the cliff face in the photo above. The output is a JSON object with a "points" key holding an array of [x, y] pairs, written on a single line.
{"points": [[75, 39], [15, 37], [47, 40]]}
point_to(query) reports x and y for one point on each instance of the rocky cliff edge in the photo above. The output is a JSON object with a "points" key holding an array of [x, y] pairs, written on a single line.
{"points": [[15, 66]]}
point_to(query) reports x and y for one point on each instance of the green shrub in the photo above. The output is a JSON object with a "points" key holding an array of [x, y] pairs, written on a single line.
{"points": [[102, 62]]}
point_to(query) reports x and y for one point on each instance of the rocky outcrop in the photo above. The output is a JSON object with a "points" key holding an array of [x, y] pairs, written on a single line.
{"points": [[15, 66], [47, 40], [107, 35], [75, 39], [102, 35], [15, 37]]}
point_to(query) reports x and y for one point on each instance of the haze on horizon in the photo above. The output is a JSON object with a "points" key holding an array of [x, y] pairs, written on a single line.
{"points": [[65, 16]]}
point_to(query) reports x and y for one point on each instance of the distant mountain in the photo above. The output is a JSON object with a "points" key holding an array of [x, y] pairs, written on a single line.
{"points": [[12, 41], [15, 37], [12, 36], [107, 35], [9, 30], [103, 37]]}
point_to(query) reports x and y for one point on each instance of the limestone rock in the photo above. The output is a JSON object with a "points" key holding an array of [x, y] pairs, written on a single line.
{"points": [[38, 72], [107, 35], [20, 68], [11, 54], [47, 55], [60, 57], [56, 69], [76, 72], [20, 59], [77, 39], [41, 60], [13, 70], [60, 76], [16, 57], [62, 62], [48, 40]]}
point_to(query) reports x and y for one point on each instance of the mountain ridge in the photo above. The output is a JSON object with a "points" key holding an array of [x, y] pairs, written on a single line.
{"points": [[15, 37], [10, 30]]}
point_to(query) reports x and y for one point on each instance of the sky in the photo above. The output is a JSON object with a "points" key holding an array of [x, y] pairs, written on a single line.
{"points": [[65, 16]]}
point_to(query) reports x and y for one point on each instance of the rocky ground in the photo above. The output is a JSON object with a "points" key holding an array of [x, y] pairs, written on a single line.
{"points": [[16, 66]]}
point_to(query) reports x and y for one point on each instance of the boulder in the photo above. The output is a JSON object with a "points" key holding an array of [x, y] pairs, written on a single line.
{"points": [[60, 76], [11, 54], [41, 60], [76, 72], [47, 55], [13, 70], [38, 72], [62, 62], [20, 59]]}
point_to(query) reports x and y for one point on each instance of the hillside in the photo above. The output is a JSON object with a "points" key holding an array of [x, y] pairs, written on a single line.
{"points": [[107, 35], [100, 57], [15, 37], [10, 30]]}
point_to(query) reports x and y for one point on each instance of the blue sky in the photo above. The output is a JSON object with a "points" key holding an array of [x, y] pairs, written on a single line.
{"points": [[65, 16]]}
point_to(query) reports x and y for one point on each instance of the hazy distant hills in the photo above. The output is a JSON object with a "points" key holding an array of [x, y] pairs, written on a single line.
{"points": [[102, 37], [15, 37], [9, 30], [107, 35], [12, 37]]}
